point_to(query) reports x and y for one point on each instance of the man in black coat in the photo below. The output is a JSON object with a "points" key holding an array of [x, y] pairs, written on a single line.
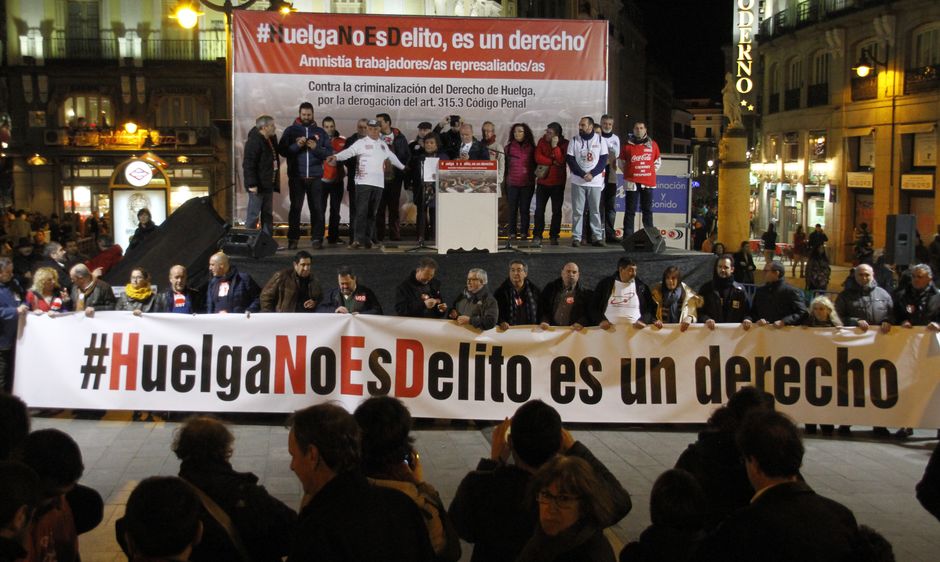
{"points": [[261, 167], [344, 517], [776, 301], [564, 302], [469, 148], [419, 296], [518, 298], [725, 299], [350, 296], [622, 298], [786, 520]]}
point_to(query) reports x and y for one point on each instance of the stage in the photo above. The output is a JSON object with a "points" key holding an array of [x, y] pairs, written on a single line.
{"points": [[382, 270]]}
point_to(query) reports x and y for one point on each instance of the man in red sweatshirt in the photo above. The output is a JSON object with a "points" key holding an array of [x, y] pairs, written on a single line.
{"points": [[639, 161]]}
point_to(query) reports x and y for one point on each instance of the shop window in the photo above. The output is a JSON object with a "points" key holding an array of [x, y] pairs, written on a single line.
{"points": [[817, 146], [181, 111]]}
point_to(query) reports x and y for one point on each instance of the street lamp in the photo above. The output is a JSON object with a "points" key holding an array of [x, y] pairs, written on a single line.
{"points": [[867, 63]]}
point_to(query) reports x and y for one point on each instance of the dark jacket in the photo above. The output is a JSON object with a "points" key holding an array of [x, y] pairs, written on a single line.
{"points": [[263, 523], [260, 163], [399, 146], [744, 267], [304, 162], [658, 543], [493, 509], [351, 520], [478, 150], [150, 304], [579, 543], [602, 296], [99, 296], [65, 280], [280, 292], [242, 295], [195, 301], [11, 550], [581, 310], [416, 166], [140, 234], [871, 304], [778, 301], [480, 307], [928, 489], [732, 310], [506, 298], [788, 522], [410, 297], [918, 308], [364, 301], [11, 297]]}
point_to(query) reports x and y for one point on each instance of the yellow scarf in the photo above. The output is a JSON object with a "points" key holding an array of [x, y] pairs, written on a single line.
{"points": [[138, 294]]}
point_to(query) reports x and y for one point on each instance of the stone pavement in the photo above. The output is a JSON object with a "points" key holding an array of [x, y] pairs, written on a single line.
{"points": [[873, 478]]}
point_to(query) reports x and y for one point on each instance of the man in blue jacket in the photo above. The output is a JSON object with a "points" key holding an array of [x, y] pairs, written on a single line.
{"points": [[229, 289], [11, 307], [305, 146]]}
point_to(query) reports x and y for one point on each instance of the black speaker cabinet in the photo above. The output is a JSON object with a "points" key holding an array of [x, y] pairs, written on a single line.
{"points": [[248, 242], [646, 240], [187, 237], [900, 239]]}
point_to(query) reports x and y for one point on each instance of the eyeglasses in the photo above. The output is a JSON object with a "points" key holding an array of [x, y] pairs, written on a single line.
{"points": [[561, 501]]}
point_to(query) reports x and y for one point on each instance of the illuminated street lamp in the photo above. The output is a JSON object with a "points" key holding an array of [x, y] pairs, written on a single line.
{"points": [[186, 15], [867, 63]]}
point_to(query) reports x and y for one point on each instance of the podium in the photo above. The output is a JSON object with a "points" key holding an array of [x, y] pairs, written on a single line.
{"points": [[467, 205]]}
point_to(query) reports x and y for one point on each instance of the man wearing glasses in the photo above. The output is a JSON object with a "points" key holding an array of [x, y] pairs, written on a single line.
{"points": [[475, 305]]}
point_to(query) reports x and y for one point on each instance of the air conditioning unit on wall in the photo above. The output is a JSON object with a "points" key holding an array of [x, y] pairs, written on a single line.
{"points": [[185, 136], [56, 137]]}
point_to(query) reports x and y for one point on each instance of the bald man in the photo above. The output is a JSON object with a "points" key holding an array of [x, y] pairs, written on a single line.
{"points": [[230, 290], [179, 298]]}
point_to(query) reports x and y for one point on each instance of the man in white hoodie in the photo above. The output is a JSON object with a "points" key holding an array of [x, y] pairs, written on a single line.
{"points": [[370, 179]]}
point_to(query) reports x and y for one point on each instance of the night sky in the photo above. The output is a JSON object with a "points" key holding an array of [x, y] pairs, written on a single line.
{"points": [[685, 37]]}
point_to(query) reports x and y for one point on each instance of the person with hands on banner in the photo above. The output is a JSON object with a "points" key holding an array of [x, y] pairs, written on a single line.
{"points": [[863, 303], [46, 295], [725, 299], [564, 302], [587, 160], [551, 175], [419, 296], [88, 292], [518, 298], [138, 296], [229, 289], [493, 508], [475, 306], [350, 296], [179, 297], [371, 154], [622, 298], [676, 302], [306, 147], [11, 308], [294, 289], [640, 162], [261, 169], [776, 302]]}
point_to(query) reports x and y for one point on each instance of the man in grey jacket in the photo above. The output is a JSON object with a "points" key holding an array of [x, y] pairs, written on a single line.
{"points": [[90, 294], [863, 303]]}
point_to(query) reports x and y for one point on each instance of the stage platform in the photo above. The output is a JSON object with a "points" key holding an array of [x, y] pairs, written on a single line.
{"points": [[383, 269]]}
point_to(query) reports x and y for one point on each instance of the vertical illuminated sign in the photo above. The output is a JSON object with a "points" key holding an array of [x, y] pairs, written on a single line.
{"points": [[745, 29]]}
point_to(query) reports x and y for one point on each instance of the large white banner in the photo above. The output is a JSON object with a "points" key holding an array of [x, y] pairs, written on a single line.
{"points": [[503, 70], [282, 362]]}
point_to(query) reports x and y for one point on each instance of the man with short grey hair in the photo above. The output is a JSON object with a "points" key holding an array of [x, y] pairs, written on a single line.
{"points": [[261, 167], [475, 305], [863, 303], [88, 293]]}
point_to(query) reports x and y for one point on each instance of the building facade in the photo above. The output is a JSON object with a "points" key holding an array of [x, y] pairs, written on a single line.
{"points": [[837, 148]]}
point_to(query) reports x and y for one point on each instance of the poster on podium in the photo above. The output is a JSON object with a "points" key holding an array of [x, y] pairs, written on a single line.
{"points": [[467, 210]]}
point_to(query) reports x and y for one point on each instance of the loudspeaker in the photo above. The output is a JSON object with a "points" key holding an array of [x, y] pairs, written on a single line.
{"points": [[249, 242], [646, 240], [187, 237], [900, 239]]}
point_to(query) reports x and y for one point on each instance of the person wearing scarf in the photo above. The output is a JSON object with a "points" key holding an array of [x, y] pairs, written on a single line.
{"points": [[676, 302], [475, 306], [138, 294], [518, 298]]}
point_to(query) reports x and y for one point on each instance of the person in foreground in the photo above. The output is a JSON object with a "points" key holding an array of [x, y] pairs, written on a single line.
{"points": [[572, 512], [786, 520]]}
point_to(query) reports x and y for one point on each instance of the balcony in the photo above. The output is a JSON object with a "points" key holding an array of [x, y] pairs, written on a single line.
{"points": [[923, 79], [818, 94], [774, 105], [791, 99], [807, 13], [107, 46], [865, 88]]}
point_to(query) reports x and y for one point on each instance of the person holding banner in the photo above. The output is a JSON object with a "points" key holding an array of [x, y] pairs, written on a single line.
{"points": [[676, 302], [11, 308], [306, 147], [419, 296], [622, 298], [350, 297], [371, 155], [261, 168], [587, 160], [179, 297], [725, 299], [229, 289], [518, 298], [776, 301], [564, 302], [475, 306]]}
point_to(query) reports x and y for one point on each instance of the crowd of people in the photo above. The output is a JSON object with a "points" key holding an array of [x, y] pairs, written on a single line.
{"points": [[377, 162], [736, 493]]}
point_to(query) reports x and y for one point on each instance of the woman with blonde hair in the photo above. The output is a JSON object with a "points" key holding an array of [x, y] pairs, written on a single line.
{"points": [[822, 314], [47, 295]]}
